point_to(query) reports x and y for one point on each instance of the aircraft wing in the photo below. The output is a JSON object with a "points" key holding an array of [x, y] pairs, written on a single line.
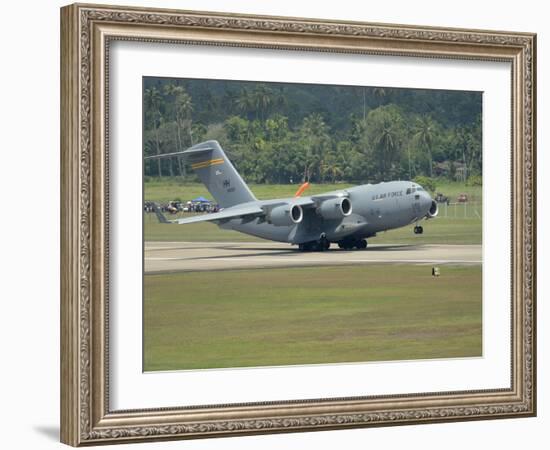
{"points": [[305, 202], [300, 201], [227, 214], [329, 195], [257, 210]]}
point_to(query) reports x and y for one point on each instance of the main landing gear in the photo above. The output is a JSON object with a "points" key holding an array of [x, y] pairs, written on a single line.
{"points": [[350, 244], [418, 229], [323, 244], [315, 246]]}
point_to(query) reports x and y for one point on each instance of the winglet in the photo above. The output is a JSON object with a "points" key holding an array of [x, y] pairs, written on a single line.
{"points": [[301, 189]]}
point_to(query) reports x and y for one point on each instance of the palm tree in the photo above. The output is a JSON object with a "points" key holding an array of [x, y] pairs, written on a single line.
{"points": [[184, 108], [380, 94], [173, 89], [334, 170], [174, 92], [409, 160], [262, 99], [386, 143], [323, 169], [281, 100], [424, 133], [245, 102], [468, 145], [314, 136], [152, 104], [229, 102]]}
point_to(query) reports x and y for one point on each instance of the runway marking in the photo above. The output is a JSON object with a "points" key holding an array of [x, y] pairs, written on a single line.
{"points": [[339, 260]]}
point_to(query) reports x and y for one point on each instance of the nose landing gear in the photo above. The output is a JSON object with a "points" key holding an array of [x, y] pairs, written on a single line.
{"points": [[418, 229]]}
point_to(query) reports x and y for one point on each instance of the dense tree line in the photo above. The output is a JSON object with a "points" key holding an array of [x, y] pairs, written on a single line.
{"points": [[281, 133]]}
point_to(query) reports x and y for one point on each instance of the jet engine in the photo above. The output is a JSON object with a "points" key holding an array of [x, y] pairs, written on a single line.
{"points": [[335, 208], [286, 215], [432, 212]]}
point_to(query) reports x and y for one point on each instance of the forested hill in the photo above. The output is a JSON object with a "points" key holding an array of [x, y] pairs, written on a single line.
{"points": [[283, 132]]}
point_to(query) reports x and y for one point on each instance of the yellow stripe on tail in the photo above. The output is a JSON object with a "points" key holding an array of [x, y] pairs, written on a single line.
{"points": [[208, 163]]}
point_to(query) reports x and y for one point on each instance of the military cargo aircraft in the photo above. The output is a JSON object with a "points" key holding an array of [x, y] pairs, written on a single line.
{"points": [[347, 217]]}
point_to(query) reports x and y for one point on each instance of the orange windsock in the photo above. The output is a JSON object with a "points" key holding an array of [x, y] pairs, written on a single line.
{"points": [[302, 188]]}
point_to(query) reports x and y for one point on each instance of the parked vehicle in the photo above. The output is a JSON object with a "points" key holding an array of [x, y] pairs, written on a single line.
{"points": [[173, 207], [462, 198]]}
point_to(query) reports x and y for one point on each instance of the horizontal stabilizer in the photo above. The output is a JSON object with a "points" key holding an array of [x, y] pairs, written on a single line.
{"points": [[188, 152], [159, 214]]}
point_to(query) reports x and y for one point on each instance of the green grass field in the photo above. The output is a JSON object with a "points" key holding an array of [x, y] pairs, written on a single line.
{"points": [[439, 230], [455, 225], [246, 318], [166, 189]]}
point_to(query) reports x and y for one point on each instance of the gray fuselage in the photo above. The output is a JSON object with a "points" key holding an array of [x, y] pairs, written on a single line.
{"points": [[375, 208]]}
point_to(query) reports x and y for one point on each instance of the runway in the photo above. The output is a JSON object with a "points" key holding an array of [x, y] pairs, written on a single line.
{"points": [[200, 256]]}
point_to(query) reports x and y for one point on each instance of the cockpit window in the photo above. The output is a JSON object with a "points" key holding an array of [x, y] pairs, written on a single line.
{"points": [[419, 188], [410, 190]]}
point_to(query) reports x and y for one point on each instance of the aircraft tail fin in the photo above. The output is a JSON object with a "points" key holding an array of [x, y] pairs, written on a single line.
{"points": [[220, 177], [214, 169]]}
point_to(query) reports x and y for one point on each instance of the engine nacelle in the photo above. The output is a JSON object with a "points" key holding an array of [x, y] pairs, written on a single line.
{"points": [[335, 208], [432, 212], [286, 215]]}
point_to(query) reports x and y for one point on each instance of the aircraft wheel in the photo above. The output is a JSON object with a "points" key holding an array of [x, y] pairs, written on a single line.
{"points": [[347, 244], [420, 230], [362, 244], [302, 247], [312, 246], [322, 244]]}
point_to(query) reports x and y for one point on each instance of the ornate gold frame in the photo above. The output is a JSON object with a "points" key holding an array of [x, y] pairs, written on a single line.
{"points": [[86, 31]]}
